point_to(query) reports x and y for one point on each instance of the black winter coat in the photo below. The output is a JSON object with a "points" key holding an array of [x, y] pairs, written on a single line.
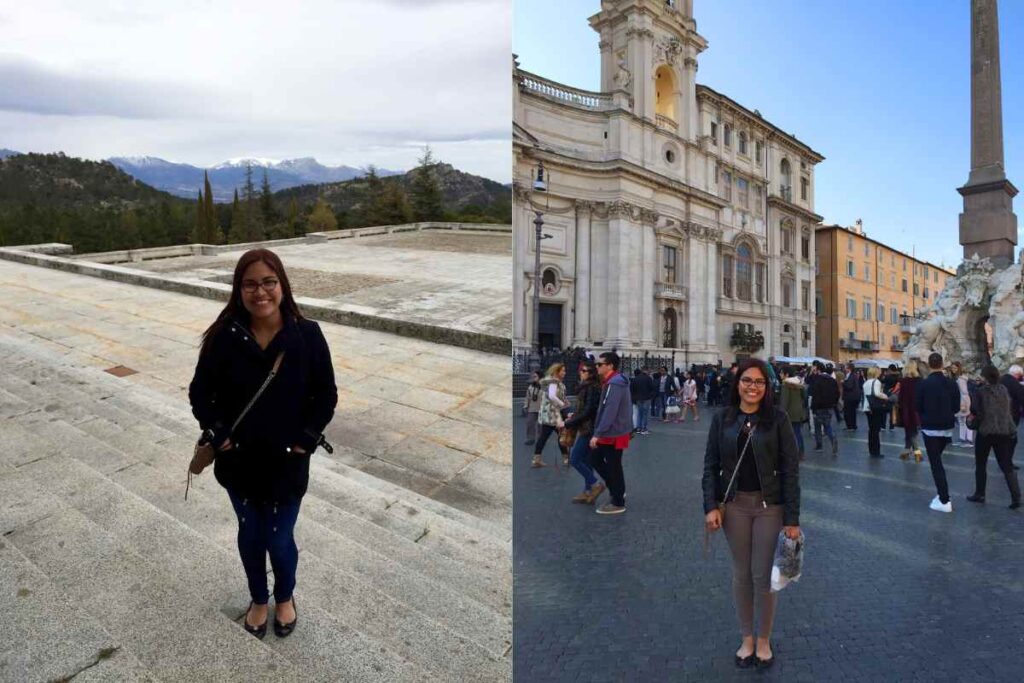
{"points": [[293, 411], [937, 401], [775, 454], [588, 400]]}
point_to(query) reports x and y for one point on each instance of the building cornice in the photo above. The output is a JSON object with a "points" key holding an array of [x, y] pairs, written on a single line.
{"points": [[790, 207], [757, 120], [841, 229]]}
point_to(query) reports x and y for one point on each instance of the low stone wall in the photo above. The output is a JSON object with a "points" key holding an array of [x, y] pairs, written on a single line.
{"points": [[137, 255], [318, 309]]}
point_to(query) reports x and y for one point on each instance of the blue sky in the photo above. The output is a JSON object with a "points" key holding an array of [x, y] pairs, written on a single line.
{"points": [[880, 88]]}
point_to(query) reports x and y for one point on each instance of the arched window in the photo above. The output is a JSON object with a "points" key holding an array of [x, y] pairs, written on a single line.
{"points": [[785, 180], [549, 282], [665, 95], [744, 272], [741, 142], [669, 325]]}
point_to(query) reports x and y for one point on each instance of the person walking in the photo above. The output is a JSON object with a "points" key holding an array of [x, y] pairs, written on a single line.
{"points": [[890, 379], [689, 398], [824, 394], [532, 407], [963, 433], [641, 389], [611, 432], [992, 412], [937, 401], [752, 466], [668, 386], [588, 397], [263, 392], [1012, 381], [853, 396], [906, 389], [794, 403], [876, 405], [552, 402], [714, 389]]}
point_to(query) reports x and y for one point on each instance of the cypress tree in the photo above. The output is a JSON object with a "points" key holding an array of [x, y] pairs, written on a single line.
{"points": [[235, 232], [267, 202], [199, 228], [212, 232]]}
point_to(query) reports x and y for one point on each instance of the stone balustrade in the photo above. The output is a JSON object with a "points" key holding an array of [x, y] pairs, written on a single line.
{"points": [[581, 98]]}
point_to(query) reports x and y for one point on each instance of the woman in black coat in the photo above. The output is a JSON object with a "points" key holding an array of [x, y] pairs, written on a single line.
{"points": [[264, 461], [588, 397], [763, 500]]}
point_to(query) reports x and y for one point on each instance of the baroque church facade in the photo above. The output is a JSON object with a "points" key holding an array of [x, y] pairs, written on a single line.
{"points": [[673, 218]]}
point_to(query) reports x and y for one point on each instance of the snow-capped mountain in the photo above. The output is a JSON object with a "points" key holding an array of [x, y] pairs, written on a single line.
{"points": [[186, 180]]}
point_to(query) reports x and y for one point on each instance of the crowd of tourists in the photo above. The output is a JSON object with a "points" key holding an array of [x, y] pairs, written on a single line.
{"points": [[934, 406]]}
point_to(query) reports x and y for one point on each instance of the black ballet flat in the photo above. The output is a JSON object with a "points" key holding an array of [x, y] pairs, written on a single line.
{"points": [[764, 663], [258, 631], [745, 662], [282, 630]]}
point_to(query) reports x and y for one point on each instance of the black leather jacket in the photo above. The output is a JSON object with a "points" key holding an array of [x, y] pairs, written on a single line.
{"points": [[775, 454]]}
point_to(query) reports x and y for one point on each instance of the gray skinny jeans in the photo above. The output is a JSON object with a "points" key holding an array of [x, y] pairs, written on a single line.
{"points": [[752, 531]]}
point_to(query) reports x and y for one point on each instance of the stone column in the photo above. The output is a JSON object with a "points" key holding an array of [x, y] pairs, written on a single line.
{"points": [[648, 274], [582, 275], [617, 320], [697, 283], [691, 123], [988, 226], [710, 292], [521, 255]]}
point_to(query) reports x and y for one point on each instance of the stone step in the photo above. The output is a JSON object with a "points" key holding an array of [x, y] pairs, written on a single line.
{"points": [[422, 502], [174, 546], [412, 634], [34, 632], [166, 619], [406, 521]]}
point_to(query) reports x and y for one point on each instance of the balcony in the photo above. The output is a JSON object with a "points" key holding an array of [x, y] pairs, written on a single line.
{"points": [[670, 290], [897, 347], [909, 323], [666, 123], [786, 192], [584, 99], [858, 345]]}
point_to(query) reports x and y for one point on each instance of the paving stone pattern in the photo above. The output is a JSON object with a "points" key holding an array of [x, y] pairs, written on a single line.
{"points": [[106, 573], [891, 590]]}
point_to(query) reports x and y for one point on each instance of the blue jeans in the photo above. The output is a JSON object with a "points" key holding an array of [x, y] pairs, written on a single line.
{"points": [[799, 433], [658, 405], [641, 411], [267, 528], [823, 421], [579, 458]]}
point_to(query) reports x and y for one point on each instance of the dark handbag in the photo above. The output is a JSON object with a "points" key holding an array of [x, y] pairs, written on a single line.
{"points": [[205, 452], [877, 404]]}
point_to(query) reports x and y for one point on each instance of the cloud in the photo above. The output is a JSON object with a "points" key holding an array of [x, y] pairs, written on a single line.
{"points": [[26, 86]]}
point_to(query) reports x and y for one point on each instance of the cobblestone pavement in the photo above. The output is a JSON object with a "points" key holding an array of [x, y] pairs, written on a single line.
{"points": [[891, 590]]}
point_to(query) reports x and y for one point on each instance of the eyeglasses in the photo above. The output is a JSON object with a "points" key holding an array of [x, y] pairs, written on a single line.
{"points": [[750, 381], [269, 284]]}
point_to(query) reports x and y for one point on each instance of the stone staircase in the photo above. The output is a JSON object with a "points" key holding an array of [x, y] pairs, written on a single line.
{"points": [[107, 573]]}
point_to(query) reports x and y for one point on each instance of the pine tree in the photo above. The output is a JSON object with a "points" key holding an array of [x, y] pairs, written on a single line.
{"points": [[237, 230], [425, 191], [253, 225], [373, 204], [267, 202], [322, 218], [394, 206], [294, 229]]}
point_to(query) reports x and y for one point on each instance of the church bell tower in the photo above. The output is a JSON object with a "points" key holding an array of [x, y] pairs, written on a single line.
{"points": [[649, 52]]}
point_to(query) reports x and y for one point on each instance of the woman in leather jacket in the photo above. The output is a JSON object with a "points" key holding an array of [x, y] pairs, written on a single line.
{"points": [[588, 398], [764, 498], [263, 462]]}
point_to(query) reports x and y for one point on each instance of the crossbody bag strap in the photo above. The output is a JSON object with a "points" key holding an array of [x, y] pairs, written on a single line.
{"points": [[266, 382], [735, 471]]}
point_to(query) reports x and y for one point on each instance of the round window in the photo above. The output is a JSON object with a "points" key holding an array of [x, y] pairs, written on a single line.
{"points": [[670, 156]]}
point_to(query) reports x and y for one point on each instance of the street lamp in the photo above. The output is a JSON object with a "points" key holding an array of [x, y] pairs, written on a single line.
{"points": [[539, 185]]}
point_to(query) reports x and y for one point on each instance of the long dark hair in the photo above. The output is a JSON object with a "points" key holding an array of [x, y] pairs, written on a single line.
{"points": [[235, 308], [766, 412], [591, 368]]}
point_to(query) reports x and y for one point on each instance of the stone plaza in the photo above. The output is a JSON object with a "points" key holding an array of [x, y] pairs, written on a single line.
{"points": [[890, 590]]}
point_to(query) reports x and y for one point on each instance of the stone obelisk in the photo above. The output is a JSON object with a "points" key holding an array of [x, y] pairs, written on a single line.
{"points": [[988, 226]]}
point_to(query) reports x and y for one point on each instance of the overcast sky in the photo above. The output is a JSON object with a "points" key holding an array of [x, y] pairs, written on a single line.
{"points": [[201, 81]]}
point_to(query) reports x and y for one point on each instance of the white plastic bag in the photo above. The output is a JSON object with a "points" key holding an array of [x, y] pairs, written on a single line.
{"points": [[789, 561]]}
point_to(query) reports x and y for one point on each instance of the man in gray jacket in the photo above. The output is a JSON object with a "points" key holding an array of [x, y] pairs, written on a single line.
{"points": [[612, 430]]}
